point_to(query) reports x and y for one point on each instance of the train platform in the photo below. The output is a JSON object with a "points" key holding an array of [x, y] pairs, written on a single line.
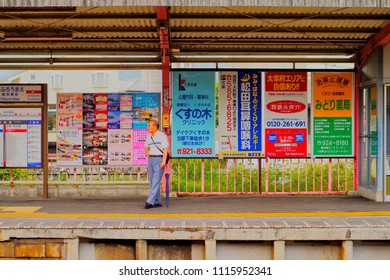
{"points": [[198, 211], [196, 228]]}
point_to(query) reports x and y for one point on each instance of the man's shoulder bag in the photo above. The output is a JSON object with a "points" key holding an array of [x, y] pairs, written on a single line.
{"points": [[168, 156]]}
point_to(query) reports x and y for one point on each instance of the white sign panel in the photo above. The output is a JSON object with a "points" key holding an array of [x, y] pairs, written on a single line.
{"points": [[228, 124], [21, 93]]}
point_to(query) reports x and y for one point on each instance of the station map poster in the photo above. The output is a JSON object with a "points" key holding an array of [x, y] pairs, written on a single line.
{"points": [[193, 114], [240, 127], [104, 128], [333, 114], [285, 114], [20, 137]]}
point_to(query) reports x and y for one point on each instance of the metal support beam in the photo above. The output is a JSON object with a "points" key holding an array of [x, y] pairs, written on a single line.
{"points": [[382, 38], [164, 35]]}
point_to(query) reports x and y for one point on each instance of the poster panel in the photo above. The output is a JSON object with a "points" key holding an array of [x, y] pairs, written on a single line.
{"points": [[98, 128], [139, 138], [249, 116], [145, 108], [285, 114], [193, 113], [69, 111], [333, 114], [120, 147], [95, 147], [21, 131], [69, 147], [228, 112]]}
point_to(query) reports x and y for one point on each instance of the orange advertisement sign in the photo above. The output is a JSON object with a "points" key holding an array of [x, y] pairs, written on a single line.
{"points": [[333, 94]]}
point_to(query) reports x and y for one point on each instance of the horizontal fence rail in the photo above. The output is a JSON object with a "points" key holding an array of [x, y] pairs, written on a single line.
{"points": [[210, 176]]}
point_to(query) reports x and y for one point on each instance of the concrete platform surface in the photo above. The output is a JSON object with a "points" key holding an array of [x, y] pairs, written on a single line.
{"points": [[213, 206]]}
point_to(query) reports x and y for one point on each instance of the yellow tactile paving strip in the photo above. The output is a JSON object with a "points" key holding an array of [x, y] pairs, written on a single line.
{"points": [[32, 212]]}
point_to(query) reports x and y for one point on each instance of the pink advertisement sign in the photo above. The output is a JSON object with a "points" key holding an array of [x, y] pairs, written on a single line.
{"points": [[139, 156]]}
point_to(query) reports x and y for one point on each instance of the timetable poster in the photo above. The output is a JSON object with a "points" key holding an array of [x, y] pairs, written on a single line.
{"points": [[21, 137], [101, 127], [285, 114], [193, 113], [333, 114]]}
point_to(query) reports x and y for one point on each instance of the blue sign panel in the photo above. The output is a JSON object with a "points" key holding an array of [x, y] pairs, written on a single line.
{"points": [[249, 108], [193, 114]]}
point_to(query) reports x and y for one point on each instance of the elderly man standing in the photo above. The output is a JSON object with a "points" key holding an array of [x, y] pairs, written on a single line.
{"points": [[156, 149]]}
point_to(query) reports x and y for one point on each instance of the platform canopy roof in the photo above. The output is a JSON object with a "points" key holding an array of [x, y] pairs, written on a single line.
{"points": [[145, 35]]}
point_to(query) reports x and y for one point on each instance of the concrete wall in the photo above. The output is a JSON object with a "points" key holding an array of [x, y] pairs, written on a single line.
{"points": [[192, 250]]}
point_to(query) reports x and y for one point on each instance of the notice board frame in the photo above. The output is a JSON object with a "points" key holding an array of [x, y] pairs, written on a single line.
{"points": [[29, 96]]}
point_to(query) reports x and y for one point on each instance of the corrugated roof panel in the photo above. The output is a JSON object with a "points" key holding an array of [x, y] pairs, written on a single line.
{"points": [[116, 35], [89, 45], [279, 35], [285, 22], [117, 10], [206, 29], [278, 10], [77, 23]]}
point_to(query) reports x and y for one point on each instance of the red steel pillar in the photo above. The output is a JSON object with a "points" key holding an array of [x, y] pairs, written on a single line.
{"points": [[164, 35]]}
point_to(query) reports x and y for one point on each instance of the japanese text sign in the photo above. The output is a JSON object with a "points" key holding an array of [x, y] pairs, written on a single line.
{"points": [[285, 114], [333, 114], [249, 107], [193, 114]]}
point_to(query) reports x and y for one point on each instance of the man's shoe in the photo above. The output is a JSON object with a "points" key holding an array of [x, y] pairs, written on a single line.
{"points": [[148, 205], [157, 205]]}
